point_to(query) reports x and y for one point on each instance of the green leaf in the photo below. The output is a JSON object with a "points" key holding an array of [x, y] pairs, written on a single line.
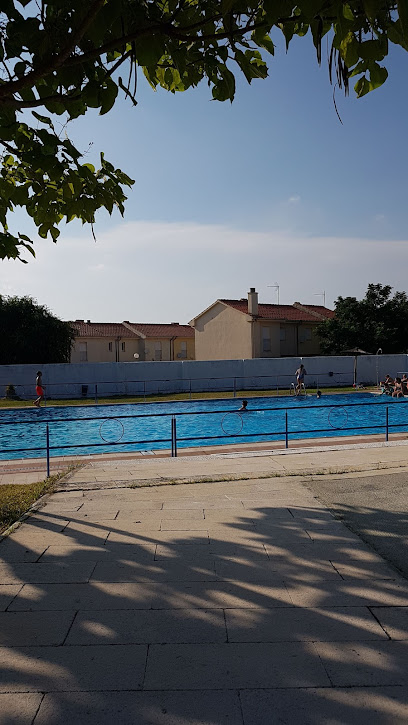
{"points": [[43, 119]]}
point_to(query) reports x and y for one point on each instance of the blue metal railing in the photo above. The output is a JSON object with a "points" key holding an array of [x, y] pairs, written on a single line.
{"points": [[174, 440]]}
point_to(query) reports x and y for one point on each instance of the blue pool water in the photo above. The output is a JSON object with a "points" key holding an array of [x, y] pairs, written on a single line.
{"points": [[99, 429]]}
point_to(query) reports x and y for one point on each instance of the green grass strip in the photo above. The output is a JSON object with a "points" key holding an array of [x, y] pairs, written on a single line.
{"points": [[16, 499]]}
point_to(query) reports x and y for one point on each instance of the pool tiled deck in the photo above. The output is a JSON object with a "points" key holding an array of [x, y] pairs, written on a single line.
{"points": [[239, 602]]}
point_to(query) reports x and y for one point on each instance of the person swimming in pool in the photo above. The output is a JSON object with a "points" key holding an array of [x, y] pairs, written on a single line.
{"points": [[243, 406]]}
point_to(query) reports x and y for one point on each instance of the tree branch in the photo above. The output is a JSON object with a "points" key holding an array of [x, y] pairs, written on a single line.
{"points": [[58, 60]]}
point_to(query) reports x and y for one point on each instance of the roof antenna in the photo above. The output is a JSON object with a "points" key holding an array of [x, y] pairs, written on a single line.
{"points": [[275, 286]]}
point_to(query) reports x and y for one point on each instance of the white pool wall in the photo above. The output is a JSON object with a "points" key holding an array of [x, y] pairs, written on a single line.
{"points": [[135, 378]]}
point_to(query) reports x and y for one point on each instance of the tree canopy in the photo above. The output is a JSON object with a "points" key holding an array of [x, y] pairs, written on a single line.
{"points": [[64, 57], [30, 333], [378, 321]]}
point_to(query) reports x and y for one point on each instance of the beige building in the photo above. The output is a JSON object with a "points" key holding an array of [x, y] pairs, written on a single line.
{"points": [[129, 342], [242, 329]]}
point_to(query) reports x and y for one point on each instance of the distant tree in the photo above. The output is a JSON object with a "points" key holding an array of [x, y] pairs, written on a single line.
{"points": [[31, 334], [377, 321], [60, 58]]}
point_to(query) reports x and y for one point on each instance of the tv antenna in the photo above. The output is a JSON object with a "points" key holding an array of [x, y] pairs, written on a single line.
{"points": [[275, 286]]}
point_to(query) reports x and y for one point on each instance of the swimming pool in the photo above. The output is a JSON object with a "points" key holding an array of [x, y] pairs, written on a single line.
{"points": [[85, 430]]}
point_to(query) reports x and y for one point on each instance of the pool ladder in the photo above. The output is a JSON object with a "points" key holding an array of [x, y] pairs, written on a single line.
{"points": [[302, 391]]}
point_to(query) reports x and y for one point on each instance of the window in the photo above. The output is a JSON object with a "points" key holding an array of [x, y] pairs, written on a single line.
{"points": [[123, 346], [157, 350], [83, 352], [183, 351], [110, 346], [266, 339], [283, 334]]}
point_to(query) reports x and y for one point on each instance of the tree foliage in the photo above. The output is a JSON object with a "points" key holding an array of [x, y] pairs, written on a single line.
{"points": [[67, 56], [31, 334], [379, 320]]}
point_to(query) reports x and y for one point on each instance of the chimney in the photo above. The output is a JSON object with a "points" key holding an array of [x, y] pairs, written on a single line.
{"points": [[253, 302]]}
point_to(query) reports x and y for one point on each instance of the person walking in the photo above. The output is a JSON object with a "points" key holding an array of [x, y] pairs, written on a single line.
{"points": [[39, 389]]}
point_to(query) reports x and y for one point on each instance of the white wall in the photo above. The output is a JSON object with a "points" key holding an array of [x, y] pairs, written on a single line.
{"points": [[66, 380]]}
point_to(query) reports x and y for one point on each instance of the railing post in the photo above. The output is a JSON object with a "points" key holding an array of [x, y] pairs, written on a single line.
{"points": [[286, 430], [386, 423], [172, 436], [235, 387], [190, 388], [48, 450], [144, 390], [175, 437], [96, 394]]}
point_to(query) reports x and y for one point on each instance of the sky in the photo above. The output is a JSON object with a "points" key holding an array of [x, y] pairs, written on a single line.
{"points": [[270, 190]]}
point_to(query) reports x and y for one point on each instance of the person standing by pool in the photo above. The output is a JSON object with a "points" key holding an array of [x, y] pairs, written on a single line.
{"points": [[300, 377], [39, 389]]}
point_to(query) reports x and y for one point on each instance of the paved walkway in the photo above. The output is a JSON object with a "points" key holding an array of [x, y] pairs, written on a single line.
{"points": [[224, 603]]}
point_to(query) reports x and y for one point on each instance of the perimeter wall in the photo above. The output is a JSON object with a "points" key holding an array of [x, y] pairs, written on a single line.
{"points": [[76, 380]]}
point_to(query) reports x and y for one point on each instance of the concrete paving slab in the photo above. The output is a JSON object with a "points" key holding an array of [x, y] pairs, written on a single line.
{"points": [[74, 534], [73, 553], [182, 525], [143, 626], [218, 594], [46, 573], [84, 532], [7, 594], [19, 708], [94, 516], [92, 596], [309, 625], [12, 551], [134, 572], [59, 669], [143, 708], [220, 550], [228, 666], [339, 593], [394, 620], [45, 522], [310, 572], [365, 664], [351, 706], [26, 629], [132, 534]]}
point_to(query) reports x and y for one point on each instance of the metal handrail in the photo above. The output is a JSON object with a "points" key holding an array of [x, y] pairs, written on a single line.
{"points": [[174, 439]]}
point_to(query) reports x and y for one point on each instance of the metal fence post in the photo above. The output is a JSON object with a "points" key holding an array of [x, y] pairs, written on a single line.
{"points": [[96, 394], [386, 423], [172, 436], [144, 390], [48, 450], [235, 387], [190, 388], [175, 437], [286, 430]]}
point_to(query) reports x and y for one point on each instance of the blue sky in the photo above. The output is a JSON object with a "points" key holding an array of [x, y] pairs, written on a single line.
{"points": [[271, 189]]}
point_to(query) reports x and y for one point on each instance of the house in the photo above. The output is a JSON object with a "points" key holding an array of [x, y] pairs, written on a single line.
{"points": [[131, 341], [242, 329]]}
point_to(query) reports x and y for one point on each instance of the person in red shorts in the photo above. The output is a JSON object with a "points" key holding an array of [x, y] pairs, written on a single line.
{"points": [[39, 389]]}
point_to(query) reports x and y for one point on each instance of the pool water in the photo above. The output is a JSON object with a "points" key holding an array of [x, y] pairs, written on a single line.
{"points": [[85, 430]]}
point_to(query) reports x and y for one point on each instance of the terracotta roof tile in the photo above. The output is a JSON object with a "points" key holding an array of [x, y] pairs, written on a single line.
{"points": [[113, 329], [162, 330], [282, 312]]}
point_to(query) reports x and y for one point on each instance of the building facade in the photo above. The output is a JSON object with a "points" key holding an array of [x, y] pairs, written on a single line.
{"points": [[243, 329], [131, 342]]}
